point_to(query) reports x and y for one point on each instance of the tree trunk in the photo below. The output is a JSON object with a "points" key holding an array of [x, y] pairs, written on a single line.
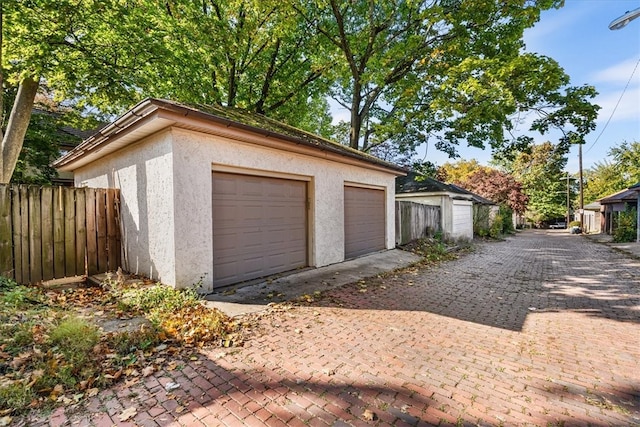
{"points": [[17, 127], [356, 118]]}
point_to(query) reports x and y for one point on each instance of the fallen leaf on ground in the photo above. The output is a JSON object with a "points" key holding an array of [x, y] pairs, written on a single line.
{"points": [[148, 371], [128, 413], [369, 415]]}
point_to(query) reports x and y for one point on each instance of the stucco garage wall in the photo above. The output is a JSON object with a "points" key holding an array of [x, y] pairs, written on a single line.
{"points": [[195, 155], [143, 173]]}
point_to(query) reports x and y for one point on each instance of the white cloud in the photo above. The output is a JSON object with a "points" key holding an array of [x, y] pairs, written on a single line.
{"points": [[618, 73], [628, 109]]}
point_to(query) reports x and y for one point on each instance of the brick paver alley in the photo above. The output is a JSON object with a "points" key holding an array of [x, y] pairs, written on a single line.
{"points": [[541, 329]]}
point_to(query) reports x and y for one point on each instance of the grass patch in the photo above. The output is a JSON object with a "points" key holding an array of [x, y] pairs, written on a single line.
{"points": [[53, 350]]}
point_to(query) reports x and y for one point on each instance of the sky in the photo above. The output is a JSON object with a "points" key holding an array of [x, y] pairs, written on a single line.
{"points": [[578, 38]]}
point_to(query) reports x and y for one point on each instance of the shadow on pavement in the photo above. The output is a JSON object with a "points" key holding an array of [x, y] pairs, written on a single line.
{"points": [[501, 283]]}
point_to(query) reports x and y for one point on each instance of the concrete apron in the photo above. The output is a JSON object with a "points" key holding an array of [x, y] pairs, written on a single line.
{"points": [[256, 297]]}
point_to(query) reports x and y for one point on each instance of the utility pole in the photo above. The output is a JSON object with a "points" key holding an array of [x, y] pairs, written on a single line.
{"points": [[581, 189], [568, 202]]}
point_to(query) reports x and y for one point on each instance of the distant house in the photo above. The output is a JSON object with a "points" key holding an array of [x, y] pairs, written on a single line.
{"points": [[591, 218], [222, 196], [457, 204], [614, 204]]}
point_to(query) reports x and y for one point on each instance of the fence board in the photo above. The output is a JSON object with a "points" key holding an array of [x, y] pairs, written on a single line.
{"points": [[92, 243], [101, 229], [6, 251], [69, 233], [58, 233], [6, 232], [35, 235], [415, 221], [81, 231], [24, 233], [46, 213], [113, 250], [16, 233]]}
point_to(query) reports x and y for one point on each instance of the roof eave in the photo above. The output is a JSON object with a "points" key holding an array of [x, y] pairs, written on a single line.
{"points": [[145, 109]]}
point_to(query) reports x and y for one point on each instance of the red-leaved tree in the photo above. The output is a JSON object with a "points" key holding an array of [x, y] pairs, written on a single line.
{"points": [[498, 187]]}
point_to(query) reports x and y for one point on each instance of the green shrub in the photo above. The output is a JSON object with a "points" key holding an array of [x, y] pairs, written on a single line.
{"points": [[481, 220], [496, 226], [482, 232], [625, 227], [507, 224], [575, 224], [7, 283]]}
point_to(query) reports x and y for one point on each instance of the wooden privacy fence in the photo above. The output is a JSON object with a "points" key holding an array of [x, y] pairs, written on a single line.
{"points": [[56, 232], [415, 221]]}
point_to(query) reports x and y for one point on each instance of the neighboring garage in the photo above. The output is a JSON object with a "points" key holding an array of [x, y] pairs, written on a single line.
{"points": [[456, 204], [462, 218], [218, 196]]}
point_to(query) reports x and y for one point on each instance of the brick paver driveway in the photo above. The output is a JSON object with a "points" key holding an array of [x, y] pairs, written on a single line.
{"points": [[541, 329]]}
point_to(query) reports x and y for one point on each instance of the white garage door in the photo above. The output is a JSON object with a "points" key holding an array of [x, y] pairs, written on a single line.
{"points": [[259, 227], [364, 221], [462, 220]]}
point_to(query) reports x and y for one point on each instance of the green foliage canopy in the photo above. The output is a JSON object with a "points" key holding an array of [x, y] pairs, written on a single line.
{"points": [[543, 179], [621, 171], [454, 70]]}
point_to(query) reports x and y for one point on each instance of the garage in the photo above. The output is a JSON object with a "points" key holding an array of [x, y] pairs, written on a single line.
{"points": [[212, 196], [259, 227], [364, 221]]}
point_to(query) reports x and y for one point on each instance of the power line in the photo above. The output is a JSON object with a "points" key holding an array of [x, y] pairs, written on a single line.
{"points": [[616, 107]]}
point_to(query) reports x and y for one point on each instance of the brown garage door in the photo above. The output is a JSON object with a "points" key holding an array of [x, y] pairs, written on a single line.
{"points": [[364, 221], [259, 227]]}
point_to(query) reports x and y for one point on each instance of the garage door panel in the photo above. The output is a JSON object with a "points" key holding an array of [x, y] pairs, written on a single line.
{"points": [[462, 220], [259, 227], [364, 215]]}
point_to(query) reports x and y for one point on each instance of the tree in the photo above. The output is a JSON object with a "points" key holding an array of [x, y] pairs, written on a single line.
{"points": [[543, 179], [602, 179], [52, 127], [454, 70], [85, 50], [498, 187], [610, 176], [627, 157], [459, 171], [259, 55], [254, 54]]}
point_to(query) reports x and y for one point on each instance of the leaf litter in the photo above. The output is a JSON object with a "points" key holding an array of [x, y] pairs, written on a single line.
{"points": [[41, 330]]}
